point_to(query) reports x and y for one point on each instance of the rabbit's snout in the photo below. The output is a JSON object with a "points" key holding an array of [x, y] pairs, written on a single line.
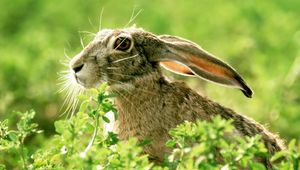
{"points": [[83, 70], [76, 69]]}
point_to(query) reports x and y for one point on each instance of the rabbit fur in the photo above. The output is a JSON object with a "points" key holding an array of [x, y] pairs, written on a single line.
{"points": [[130, 61]]}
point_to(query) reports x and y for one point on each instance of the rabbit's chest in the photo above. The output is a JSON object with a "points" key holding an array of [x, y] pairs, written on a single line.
{"points": [[147, 120], [152, 115], [142, 120]]}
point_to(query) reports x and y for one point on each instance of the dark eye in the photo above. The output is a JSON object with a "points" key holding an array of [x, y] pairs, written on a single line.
{"points": [[122, 43]]}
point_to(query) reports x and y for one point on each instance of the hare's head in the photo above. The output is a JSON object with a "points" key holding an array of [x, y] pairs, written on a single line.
{"points": [[123, 55]]}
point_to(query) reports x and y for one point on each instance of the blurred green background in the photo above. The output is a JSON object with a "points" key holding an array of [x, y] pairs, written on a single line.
{"points": [[261, 39]]}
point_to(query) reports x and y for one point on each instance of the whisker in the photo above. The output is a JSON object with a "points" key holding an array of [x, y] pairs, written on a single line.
{"points": [[81, 42], [87, 32], [112, 68], [64, 73], [100, 19], [73, 102], [65, 102], [132, 18], [72, 89], [126, 58], [64, 63], [68, 45], [119, 74], [91, 23], [66, 55], [120, 43]]}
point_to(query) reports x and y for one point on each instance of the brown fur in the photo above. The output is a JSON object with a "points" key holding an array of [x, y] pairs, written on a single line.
{"points": [[148, 112], [148, 104]]}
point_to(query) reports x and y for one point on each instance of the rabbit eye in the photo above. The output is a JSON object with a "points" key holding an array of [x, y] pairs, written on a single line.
{"points": [[122, 43]]}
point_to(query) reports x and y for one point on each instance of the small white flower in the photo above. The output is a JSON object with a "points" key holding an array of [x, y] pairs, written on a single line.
{"points": [[99, 167], [64, 150], [113, 147], [82, 154], [226, 167]]}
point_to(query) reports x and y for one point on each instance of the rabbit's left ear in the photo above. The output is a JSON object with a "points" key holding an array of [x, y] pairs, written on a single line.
{"points": [[196, 61]]}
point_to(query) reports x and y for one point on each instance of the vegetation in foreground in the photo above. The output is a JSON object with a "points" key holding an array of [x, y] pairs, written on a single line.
{"points": [[261, 39], [81, 143]]}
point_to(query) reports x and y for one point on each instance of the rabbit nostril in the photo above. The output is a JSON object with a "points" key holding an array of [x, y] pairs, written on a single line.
{"points": [[78, 68]]}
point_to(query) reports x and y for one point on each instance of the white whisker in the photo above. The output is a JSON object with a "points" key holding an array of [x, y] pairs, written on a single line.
{"points": [[120, 43], [66, 55], [64, 73], [64, 62], [119, 74], [132, 18], [72, 89], [88, 32], [91, 23], [81, 42], [112, 68], [126, 58], [100, 20]]}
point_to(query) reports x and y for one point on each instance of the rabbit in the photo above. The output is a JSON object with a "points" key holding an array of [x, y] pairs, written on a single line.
{"points": [[149, 104]]}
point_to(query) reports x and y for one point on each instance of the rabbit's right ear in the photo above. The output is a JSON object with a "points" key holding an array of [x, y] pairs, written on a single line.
{"points": [[171, 51]]}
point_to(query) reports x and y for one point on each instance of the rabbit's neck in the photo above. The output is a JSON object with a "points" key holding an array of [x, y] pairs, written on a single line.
{"points": [[141, 115], [139, 102], [147, 82]]}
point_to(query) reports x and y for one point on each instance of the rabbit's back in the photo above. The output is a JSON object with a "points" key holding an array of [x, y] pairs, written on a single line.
{"points": [[150, 108]]}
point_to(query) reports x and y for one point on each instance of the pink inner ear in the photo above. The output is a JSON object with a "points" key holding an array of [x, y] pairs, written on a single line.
{"points": [[177, 68], [210, 67]]}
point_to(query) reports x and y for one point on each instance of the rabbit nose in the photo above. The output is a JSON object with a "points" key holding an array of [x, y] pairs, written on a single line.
{"points": [[78, 68]]}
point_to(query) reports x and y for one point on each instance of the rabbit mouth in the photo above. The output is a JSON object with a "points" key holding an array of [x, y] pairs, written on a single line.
{"points": [[79, 81], [86, 80], [86, 83]]}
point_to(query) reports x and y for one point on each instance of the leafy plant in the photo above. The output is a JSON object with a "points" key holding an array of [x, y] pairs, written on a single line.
{"points": [[13, 141], [81, 143]]}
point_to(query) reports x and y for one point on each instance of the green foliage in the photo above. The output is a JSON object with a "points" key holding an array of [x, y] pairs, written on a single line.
{"points": [[291, 155], [13, 141], [81, 143], [260, 39], [213, 145]]}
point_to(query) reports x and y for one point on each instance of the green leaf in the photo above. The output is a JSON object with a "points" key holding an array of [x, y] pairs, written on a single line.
{"points": [[102, 87], [115, 111], [60, 126], [92, 113], [112, 95], [105, 119], [112, 138], [278, 155], [84, 105], [145, 142], [292, 145], [13, 136], [171, 143], [257, 166]]}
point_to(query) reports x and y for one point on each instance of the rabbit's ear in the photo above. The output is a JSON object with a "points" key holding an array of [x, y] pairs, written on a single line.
{"points": [[176, 50], [177, 68]]}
